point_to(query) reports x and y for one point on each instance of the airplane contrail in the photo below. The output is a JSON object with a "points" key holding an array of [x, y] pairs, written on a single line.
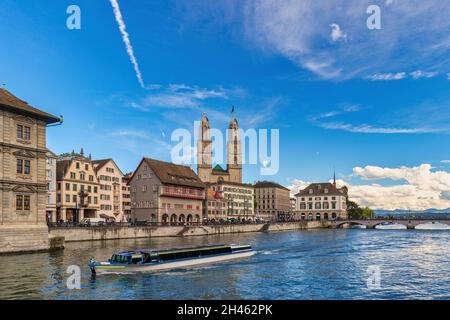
{"points": [[126, 40]]}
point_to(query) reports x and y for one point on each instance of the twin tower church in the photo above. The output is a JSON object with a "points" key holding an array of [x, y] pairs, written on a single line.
{"points": [[233, 171]]}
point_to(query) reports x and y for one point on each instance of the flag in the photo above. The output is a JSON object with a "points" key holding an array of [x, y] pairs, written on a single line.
{"points": [[232, 109]]}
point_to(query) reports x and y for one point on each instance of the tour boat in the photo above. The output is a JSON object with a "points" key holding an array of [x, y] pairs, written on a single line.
{"points": [[155, 260]]}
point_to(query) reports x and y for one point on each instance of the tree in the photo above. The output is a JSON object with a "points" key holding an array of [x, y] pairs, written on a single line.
{"points": [[354, 211]]}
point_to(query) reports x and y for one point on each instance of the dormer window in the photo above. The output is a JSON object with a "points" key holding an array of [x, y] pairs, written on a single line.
{"points": [[310, 191], [325, 190]]}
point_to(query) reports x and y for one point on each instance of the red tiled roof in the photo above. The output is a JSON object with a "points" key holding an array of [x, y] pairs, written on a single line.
{"points": [[11, 102]]}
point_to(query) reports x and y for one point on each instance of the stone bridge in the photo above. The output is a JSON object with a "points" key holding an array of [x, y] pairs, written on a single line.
{"points": [[372, 223]]}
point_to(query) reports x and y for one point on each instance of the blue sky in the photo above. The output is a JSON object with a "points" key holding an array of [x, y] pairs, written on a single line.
{"points": [[374, 104]]}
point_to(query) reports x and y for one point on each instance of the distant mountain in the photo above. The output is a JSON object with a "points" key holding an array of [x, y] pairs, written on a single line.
{"points": [[401, 212]]}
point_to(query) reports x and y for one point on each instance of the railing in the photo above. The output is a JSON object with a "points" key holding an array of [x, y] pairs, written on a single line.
{"points": [[161, 224]]}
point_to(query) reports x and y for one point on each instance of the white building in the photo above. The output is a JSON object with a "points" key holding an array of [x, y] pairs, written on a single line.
{"points": [[110, 177], [321, 201], [50, 167], [239, 199]]}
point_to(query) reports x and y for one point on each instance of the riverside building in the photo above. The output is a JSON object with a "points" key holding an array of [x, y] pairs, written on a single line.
{"points": [[23, 176], [77, 188], [321, 201], [163, 192], [272, 201]]}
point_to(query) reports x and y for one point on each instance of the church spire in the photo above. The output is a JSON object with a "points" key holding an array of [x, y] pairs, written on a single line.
{"points": [[334, 177]]}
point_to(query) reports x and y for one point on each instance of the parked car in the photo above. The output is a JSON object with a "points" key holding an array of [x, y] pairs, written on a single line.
{"points": [[93, 222]]}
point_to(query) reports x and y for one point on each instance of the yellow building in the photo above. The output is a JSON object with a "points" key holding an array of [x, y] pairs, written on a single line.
{"points": [[77, 188]]}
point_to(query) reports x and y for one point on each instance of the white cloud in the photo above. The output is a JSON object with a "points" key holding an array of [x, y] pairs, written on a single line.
{"points": [[297, 30], [415, 188], [373, 129], [129, 133], [126, 40], [388, 76], [337, 33], [422, 74], [445, 161]]}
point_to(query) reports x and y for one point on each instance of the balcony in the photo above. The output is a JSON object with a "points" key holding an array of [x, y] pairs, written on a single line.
{"points": [[182, 192]]}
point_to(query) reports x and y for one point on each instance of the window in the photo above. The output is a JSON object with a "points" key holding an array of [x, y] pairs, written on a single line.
{"points": [[72, 175], [19, 202], [19, 131], [74, 198], [19, 165], [67, 186], [77, 165], [67, 198], [82, 176], [144, 188], [91, 178], [23, 132], [74, 187], [23, 166], [86, 167], [27, 167]]}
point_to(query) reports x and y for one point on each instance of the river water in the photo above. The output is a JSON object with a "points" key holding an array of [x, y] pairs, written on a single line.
{"points": [[307, 264]]}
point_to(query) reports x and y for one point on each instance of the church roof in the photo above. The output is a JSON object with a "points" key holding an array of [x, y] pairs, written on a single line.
{"points": [[218, 168], [11, 102]]}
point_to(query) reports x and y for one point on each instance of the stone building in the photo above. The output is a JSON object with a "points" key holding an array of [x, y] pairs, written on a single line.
{"points": [[110, 177], [23, 180], [77, 188], [126, 198], [165, 192], [50, 167], [321, 201], [239, 197], [272, 201], [233, 171]]}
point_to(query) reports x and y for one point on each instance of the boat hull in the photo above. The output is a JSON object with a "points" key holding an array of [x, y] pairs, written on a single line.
{"points": [[100, 269]]}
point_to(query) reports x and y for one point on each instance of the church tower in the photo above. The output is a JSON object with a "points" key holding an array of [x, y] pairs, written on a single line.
{"points": [[204, 150], [234, 152]]}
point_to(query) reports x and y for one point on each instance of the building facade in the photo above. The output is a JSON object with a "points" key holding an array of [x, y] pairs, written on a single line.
{"points": [[272, 201], [163, 192], [233, 171], [110, 177], [215, 208], [77, 188], [321, 201], [23, 179], [239, 199], [50, 167], [126, 197]]}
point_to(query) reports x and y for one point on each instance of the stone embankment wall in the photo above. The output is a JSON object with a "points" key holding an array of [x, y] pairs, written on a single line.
{"points": [[109, 233]]}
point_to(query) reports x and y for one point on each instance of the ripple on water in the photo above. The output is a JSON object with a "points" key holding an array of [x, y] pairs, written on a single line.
{"points": [[315, 264]]}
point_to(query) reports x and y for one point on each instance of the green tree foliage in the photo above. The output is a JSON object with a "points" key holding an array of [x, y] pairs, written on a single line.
{"points": [[356, 212]]}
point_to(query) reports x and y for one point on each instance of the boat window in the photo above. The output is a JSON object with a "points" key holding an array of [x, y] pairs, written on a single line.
{"points": [[136, 260]]}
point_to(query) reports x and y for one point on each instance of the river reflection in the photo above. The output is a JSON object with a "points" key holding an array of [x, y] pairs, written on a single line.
{"points": [[313, 264]]}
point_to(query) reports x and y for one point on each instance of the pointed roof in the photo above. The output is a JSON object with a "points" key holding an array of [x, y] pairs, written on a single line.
{"points": [[319, 189], [98, 164], [175, 174], [11, 102]]}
